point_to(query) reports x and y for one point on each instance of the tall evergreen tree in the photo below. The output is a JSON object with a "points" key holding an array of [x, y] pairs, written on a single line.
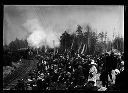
{"points": [[118, 44], [65, 41]]}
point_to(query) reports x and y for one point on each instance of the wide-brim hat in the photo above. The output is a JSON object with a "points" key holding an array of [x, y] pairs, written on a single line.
{"points": [[117, 71], [122, 62], [93, 62]]}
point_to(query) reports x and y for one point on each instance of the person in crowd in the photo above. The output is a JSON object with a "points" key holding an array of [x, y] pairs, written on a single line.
{"points": [[39, 84], [104, 78], [64, 71], [86, 70], [93, 72], [90, 86], [122, 66], [111, 63], [121, 81], [114, 74]]}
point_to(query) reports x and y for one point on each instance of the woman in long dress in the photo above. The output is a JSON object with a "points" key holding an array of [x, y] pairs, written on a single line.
{"points": [[93, 72]]}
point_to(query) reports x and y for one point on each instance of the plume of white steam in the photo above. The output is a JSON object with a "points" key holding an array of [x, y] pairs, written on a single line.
{"points": [[39, 36]]}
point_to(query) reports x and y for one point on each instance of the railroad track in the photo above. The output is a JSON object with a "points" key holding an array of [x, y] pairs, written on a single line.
{"points": [[19, 73]]}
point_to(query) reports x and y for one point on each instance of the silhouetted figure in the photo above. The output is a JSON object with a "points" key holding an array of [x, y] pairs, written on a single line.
{"points": [[90, 86], [121, 81], [104, 78], [41, 85], [111, 63], [86, 71]]}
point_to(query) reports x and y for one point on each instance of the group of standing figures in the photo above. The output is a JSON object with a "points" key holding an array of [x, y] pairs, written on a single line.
{"points": [[78, 72]]}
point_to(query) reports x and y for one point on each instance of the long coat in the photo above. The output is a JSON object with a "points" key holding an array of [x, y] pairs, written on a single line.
{"points": [[92, 74]]}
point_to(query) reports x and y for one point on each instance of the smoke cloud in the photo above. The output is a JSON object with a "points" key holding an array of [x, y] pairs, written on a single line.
{"points": [[38, 36]]}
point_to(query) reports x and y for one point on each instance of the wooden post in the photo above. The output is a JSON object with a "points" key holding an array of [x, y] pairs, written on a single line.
{"points": [[105, 42], [72, 44], [45, 46], [37, 51], [54, 47], [113, 40], [83, 49], [79, 48]]}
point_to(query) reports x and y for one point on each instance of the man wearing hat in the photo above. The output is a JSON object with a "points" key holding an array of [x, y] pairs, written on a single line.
{"points": [[92, 72], [114, 74]]}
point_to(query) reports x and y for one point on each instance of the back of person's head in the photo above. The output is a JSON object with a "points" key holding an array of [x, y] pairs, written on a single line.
{"points": [[19, 81], [90, 83], [112, 53]]}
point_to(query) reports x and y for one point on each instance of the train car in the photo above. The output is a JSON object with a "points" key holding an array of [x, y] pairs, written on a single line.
{"points": [[24, 53]]}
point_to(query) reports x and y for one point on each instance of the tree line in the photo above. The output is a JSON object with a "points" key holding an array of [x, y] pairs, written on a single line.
{"points": [[87, 41], [84, 40]]}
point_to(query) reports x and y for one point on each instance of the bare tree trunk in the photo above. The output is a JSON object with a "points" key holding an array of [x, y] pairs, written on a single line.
{"points": [[83, 49]]}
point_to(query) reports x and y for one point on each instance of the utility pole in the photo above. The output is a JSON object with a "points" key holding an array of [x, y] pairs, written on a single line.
{"points": [[72, 43], [45, 46], [54, 46], [37, 50], [83, 49], [105, 41], [88, 38], [79, 48], [117, 42], [113, 38]]}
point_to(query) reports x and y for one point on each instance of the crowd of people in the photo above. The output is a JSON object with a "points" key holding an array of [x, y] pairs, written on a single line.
{"points": [[67, 72]]}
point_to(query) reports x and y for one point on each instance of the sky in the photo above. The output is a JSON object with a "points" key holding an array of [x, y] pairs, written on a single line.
{"points": [[20, 21]]}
